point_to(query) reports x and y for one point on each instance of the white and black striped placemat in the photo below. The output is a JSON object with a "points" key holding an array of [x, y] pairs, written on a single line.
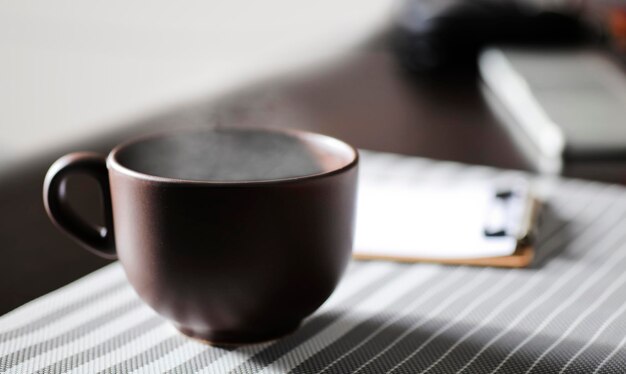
{"points": [[566, 314]]}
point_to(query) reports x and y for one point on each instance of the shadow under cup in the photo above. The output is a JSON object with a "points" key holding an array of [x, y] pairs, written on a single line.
{"points": [[233, 235]]}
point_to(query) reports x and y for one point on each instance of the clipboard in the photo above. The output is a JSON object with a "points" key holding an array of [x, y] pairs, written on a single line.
{"points": [[504, 237]]}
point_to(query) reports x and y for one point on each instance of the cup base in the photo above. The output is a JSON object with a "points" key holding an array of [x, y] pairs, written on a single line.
{"points": [[239, 339]]}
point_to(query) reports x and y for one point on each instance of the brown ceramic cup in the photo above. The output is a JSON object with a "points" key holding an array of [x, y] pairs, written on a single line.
{"points": [[233, 235]]}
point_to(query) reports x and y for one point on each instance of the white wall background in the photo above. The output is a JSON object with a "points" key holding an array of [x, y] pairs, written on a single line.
{"points": [[75, 68]]}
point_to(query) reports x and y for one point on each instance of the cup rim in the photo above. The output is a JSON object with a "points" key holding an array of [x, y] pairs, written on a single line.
{"points": [[114, 164]]}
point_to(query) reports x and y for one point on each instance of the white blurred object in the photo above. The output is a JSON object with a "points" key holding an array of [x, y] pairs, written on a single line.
{"points": [[424, 222], [406, 211], [70, 69], [561, 106]]}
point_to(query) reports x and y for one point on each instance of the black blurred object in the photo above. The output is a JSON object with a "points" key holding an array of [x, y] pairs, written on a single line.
{"points": [[439, 35]]}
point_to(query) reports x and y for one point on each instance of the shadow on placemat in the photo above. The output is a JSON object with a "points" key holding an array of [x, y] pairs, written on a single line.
{"points": [[554, 236]]}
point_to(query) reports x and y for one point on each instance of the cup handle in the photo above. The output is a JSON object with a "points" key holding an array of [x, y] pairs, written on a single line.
{"points": [[99, 240]]}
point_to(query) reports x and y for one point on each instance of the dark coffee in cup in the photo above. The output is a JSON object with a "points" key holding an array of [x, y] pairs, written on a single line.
{"points": [[235, 235], [228, 156]]}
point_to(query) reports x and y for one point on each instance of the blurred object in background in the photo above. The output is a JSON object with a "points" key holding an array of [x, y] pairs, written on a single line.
{"points": [[608, 19], [550, 77], [444, 35], [617, 27], [565, 107]]}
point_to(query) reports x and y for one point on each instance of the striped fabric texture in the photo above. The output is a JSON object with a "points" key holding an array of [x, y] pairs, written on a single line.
{"points": [[565, 314]]}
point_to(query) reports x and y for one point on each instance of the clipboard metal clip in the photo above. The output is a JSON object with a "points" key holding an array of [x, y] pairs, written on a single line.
{"points": [[510, 213]]}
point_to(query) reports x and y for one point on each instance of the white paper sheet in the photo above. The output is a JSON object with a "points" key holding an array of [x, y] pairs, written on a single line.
{"points": [[402, 219]]}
